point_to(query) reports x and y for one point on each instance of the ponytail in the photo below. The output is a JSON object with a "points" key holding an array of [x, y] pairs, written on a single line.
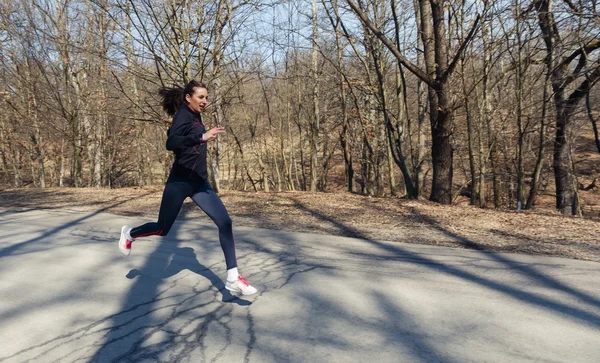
{"points": [[174, 97]]}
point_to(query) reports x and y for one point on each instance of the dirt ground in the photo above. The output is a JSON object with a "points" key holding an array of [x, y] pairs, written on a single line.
{"points": [[542, 232]]}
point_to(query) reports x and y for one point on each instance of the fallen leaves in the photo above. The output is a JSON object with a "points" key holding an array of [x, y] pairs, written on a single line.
{"points": [[539, 231]]}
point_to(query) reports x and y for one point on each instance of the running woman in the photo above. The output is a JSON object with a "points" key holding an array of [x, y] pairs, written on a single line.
{"points": [[187, 138]]}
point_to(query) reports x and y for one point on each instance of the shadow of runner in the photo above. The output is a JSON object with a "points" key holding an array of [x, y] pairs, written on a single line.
{"points": [[158, 319], [184, 258], [581, 315]]}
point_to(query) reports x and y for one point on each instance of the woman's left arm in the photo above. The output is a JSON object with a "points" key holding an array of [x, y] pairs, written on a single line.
{"points": [[179, 135]]}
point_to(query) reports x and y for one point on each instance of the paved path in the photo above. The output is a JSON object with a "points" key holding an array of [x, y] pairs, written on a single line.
{"points": [[68, 295]]}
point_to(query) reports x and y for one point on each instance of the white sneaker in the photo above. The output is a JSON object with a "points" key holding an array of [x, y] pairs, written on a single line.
{"points": [[240, 285], [125, 241]]}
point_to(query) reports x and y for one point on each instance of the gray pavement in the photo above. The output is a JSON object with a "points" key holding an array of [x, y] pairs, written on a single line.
{"points": [[68, 295]]}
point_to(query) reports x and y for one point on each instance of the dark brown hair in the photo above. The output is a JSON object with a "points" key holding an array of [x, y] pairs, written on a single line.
{"points": [[174, 97]]}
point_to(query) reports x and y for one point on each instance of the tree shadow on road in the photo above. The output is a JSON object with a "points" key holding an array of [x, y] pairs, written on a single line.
{"points": [[12, 249], [517, 293], [386, 325]]}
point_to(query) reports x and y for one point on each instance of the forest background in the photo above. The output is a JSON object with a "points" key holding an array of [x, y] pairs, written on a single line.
{"points": [[485, 103]]}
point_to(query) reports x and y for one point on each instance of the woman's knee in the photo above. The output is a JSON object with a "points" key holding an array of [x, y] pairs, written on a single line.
{"points": [[163, 229], [224, 223]]}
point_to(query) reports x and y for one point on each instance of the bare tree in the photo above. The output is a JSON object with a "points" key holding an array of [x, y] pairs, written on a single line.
{"points": [[566, 99], [437, 76]]}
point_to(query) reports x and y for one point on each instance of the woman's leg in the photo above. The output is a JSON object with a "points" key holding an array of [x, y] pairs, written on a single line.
{"points": [[206, 198], [173, 196], [172, 199]]}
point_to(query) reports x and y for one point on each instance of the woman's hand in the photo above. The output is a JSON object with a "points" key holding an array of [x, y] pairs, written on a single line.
{"points": [[212, 133]]}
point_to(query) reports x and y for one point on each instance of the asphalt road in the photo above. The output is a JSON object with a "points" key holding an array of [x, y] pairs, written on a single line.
{"points": [[68, 295]]}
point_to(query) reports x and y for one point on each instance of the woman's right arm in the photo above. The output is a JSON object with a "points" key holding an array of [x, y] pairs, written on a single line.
{"points": [[177, 138]]}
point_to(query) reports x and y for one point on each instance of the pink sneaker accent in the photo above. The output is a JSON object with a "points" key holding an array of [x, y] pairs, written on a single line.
{"points": [[124, 242], [240, 285]]}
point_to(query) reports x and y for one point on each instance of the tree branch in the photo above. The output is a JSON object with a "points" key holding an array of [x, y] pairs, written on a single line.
{"points": [[572, 6], [592, 46], [405, 62], [582, 90], [461, 49], [580, 65]]}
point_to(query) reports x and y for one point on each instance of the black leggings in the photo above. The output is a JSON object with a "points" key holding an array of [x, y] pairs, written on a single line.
{"points": [[176, 190]]}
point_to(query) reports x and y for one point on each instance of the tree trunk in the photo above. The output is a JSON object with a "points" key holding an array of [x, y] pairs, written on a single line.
{"points": [[345, 134], [521, 136], [36, 136], [292, 170], [314, 126], [535, 178], [594, 121], [101, 132], [485, 121], [222, 16], [472, 166], [421, 112], [442, 152], [481, 154], [566, 193], [61, 174], [3, 147], [263, 171], [390, 166]]}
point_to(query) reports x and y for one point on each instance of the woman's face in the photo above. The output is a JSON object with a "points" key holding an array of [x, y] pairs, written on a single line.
{"points": [[197, 102]]}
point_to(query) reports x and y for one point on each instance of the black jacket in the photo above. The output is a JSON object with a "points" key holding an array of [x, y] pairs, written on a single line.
{"points": [[185, 139]]}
